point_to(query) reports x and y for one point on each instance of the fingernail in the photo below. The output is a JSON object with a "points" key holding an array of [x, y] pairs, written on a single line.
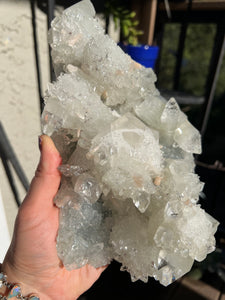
{"points": [[40, 143]]}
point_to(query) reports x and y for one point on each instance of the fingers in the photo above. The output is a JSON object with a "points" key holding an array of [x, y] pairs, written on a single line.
{"points": [[45, 184]]}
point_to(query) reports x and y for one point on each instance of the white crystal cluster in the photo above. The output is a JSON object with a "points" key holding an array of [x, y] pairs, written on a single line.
{"points": [[128, 191]]}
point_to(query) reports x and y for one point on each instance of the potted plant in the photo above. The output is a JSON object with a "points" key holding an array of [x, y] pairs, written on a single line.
{"points": [[129, 33]]}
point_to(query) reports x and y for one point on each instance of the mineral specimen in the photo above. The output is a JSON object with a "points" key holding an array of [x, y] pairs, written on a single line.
{"points": [[129, 191]]}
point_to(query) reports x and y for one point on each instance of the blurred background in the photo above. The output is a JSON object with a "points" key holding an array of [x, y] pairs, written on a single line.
{"points": [[187, 38]]}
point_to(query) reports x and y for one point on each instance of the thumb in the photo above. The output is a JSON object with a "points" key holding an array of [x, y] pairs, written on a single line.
{"points": [[45, 184]]}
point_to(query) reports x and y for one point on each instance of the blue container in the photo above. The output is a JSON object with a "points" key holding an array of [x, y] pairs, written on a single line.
{"points": [[143, 54]]}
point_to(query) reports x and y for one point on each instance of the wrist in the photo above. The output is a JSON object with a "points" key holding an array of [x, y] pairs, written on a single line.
{"points": [[13, 279]]}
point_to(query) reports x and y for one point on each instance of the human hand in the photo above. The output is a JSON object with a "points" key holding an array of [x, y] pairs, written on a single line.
{"points": [[32, 259]]}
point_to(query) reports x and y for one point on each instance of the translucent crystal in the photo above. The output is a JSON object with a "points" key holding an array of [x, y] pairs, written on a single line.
{"points": [[70, 171], [87, 187], [171, 115], [70, 32], [87, 239], [128, 190], [150, 110], [188, 138]]}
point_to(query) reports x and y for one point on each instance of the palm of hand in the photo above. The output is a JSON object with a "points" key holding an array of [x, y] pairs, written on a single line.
{"points": [[32, 253]]}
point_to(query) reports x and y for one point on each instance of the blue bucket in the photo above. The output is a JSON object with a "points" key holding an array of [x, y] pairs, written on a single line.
{"points": [[143, 54]]}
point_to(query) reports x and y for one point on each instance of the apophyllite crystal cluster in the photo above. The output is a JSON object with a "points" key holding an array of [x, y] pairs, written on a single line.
{"points": [[128, 191]]}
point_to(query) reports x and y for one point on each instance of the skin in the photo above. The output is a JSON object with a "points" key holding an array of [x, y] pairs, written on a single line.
{"points": [[32, 259]]}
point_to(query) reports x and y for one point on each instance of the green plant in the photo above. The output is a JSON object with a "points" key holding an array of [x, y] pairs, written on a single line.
{"points": [[125, 18]]}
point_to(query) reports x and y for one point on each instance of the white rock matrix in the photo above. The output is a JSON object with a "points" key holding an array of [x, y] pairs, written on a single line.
{"points": [[128, 191]]}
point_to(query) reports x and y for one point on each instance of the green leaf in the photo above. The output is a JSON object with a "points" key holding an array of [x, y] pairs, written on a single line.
{"points": [[135, 23], [125, 31], [133, 30], [126, 11], [140, 32], [132, 14], [132, 40], [127, 22]]}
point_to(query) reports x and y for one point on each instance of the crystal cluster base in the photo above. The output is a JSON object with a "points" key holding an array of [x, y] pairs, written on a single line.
{"points": [[128, 191]]}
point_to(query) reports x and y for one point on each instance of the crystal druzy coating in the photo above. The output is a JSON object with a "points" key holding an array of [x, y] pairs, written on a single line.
{"points": [[129, 191]]}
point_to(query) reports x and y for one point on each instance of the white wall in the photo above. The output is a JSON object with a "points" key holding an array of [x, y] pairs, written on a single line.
{"points": [[19, 102]]}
